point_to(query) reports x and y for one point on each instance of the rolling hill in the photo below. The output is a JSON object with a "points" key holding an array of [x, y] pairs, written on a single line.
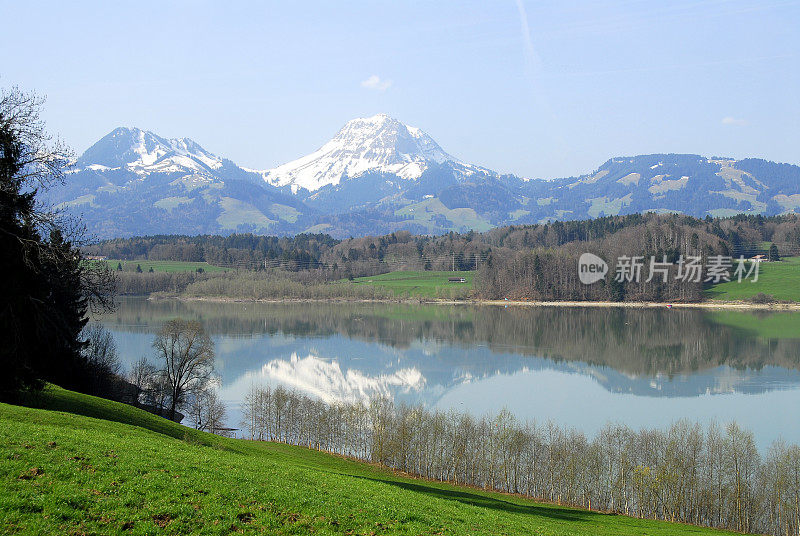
{"points": [[80, 464]]}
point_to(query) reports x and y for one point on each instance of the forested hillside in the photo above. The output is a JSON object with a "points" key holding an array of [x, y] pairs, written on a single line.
{"points": [[522, 262]]}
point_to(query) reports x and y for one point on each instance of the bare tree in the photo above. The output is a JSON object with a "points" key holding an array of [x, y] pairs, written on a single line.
{"points": [[101, 349], [207, 410], [187, 354], [143, 377], [140, 373], [102, 361]]}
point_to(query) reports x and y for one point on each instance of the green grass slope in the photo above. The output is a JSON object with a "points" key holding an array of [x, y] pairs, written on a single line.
{"points": [[779, 279], [426, 284], [66, 471]]}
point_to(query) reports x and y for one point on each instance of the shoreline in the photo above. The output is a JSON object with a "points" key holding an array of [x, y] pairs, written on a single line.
{"points": [[730, 305]]}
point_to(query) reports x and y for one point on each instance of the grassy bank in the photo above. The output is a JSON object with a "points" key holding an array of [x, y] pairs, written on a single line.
{"points": [[778, 279], [425, 284], [84, 465]]}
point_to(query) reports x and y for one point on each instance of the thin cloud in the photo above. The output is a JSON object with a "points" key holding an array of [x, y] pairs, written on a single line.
{"points": [[732, 121], [534, 62], [374, 82]]}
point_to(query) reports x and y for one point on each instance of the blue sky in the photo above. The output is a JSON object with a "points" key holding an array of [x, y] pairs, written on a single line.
{"points": [[532, 88]]}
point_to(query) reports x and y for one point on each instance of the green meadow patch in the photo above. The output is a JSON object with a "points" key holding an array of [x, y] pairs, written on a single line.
{"points": [[165, 266], [778, 279], [429, 284]]}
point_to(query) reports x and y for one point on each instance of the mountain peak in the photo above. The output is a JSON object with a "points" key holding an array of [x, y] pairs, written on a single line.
{"points": [[143, 150], [377, 118], [378, 143]]}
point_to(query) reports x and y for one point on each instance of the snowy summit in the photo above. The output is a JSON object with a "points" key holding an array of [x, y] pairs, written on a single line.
{"points": [[373, 144], [145, 152]]}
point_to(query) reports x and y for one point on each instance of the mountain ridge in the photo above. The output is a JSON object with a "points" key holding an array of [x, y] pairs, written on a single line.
{"points": [[378, 175]]}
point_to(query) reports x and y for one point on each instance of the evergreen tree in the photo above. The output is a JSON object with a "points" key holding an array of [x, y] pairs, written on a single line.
{"points": [[773, 253], [47, 286]]}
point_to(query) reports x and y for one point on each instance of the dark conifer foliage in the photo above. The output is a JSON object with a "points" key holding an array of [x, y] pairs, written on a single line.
{"points": [[47, 288]]}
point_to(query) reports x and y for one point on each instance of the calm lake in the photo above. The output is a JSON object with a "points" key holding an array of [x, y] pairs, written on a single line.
{"points": [[577, 366]]}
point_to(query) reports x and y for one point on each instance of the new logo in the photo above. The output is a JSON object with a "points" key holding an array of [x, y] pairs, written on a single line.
{"points": [[591, 268]]}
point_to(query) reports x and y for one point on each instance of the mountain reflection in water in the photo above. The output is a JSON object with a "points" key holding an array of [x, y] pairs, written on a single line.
{"points": [[579, 366]]}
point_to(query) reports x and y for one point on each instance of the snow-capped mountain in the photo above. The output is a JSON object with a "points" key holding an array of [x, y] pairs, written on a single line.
{"points": [[377, 176], [133, 181], [144, 152], [377, 144]]}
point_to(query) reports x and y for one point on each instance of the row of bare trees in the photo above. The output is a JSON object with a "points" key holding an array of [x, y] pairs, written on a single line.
{"points": [[708, 476]]}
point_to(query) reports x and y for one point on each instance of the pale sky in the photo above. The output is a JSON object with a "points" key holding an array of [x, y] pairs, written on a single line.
{"points": [[539, 89]]}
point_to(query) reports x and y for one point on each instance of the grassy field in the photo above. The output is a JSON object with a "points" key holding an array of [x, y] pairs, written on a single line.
{"points": [[89, 466], [779, 279], [426, 284], [165, 266]]}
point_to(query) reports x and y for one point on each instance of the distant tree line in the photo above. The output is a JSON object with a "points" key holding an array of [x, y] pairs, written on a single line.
{"points": [[536, 262], [239, 250], [132, 283], [708, 476], [313, 251], [260, 286], [540, 266], [546, 273]]}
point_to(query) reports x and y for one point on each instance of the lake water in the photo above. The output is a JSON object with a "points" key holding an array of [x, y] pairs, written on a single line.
{"points": [[577, 366]]}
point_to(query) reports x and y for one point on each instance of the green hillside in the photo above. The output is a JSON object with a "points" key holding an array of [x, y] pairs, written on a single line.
{"points": [[89, 466], [778, 279]]}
